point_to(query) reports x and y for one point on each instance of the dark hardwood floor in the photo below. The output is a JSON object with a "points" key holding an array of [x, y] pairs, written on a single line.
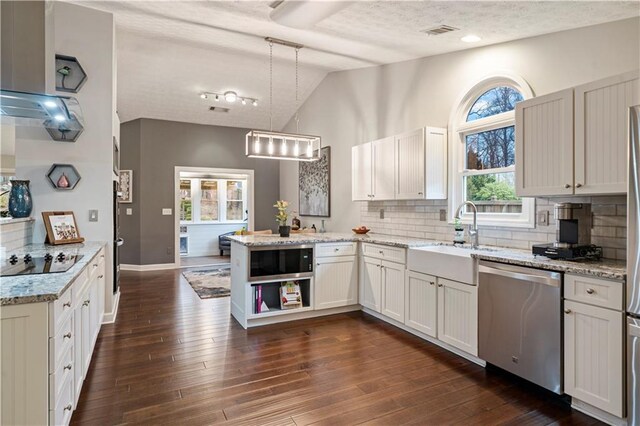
{"points": [[172, 358], [188, 262]]}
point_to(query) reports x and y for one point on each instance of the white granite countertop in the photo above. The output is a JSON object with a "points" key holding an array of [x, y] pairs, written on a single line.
{"points": [[603, 268], [330, 237], [10, 220], [20, 289]]}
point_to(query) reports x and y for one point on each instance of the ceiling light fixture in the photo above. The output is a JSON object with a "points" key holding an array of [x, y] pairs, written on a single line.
{"points": [[255, 138], [203, 95], [229, 96], [471, 38]]}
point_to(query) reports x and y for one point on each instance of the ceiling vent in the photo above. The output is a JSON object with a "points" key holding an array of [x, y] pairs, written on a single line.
{"points": [[219, 109], [442, 29]]}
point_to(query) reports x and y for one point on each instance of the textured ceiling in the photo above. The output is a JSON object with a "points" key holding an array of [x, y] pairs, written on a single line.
{"points": [[168, 52]]}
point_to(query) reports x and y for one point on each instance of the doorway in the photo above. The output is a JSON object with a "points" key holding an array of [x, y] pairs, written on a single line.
{"points": [[210, 203]]}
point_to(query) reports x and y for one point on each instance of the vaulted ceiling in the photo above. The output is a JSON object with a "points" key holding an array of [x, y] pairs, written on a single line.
{"points": [[169, 52]]}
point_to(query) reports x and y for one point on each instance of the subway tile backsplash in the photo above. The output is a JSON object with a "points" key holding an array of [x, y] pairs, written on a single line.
{"points": [[420, 219]]}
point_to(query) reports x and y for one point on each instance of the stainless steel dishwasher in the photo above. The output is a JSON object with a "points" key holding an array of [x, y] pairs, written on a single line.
{"points": [[520, 322]]}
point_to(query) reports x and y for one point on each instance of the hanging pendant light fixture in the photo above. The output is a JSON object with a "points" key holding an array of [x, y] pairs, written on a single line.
{"points": [[278, 144]]}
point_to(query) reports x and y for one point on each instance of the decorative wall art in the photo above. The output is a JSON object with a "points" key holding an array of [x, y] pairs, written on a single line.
{"points": [[63, 176], [314, 183], [61, 228], [126, 186], [69, 74]]}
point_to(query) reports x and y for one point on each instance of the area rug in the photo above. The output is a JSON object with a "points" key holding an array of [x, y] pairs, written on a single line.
{"points": [[213, 281]]}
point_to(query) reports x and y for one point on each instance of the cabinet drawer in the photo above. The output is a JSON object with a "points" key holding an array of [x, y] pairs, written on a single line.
{"points": [[594, 291], [60, 310], [62, 410], [335, 249], [94, 267], [80, 284], [63, 373], [60, 343], [392, 254]]}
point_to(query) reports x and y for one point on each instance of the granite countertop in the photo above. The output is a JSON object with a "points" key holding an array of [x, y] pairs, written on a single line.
{"points": [[330, 237], [603, 268], [11, 220], [36, 288]]}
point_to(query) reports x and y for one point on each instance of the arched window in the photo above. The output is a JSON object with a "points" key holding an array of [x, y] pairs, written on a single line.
{"points": [[483, 133]]}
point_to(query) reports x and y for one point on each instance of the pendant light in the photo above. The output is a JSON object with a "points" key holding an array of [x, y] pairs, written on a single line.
{"points": [[282, 146]]}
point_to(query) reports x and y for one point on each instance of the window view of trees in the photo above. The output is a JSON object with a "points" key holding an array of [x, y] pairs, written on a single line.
{"points": [[234, 200], [210, 199], [495, 101], [185, 200]]}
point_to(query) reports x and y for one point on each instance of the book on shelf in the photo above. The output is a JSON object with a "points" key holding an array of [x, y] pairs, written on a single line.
{"points": [[290, 295]]}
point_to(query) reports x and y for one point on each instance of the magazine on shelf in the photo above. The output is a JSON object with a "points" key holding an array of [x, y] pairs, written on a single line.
{"points": [[290, 295]]}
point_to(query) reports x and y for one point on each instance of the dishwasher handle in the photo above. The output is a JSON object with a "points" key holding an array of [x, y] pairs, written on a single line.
{"points": [[528, 275]]}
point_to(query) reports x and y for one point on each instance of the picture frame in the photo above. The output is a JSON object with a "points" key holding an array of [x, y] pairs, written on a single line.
{"points": [[314, 186], [126, 186], [61, 228]]}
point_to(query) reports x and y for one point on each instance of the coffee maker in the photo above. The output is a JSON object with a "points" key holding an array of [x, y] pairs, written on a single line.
{"points": [[573, 234]]}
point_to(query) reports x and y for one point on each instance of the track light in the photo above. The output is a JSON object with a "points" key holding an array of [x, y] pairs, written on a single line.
{"points": [[255, 103], [203, 95], [229, 96], [217, 98], [244, 101]]}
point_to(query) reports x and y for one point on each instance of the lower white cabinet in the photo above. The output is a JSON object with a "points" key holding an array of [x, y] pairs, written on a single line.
{"points": [[371, 283], [458, 315], [393, 290], [421, 303], [336, 282], [594, 357]]}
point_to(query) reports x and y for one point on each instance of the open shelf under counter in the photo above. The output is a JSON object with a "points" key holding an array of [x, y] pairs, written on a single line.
{"points": [[278, 312]]}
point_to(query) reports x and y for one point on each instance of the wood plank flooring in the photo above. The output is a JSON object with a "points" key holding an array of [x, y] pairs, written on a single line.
{"points": [[172, 358], [188, 262]]}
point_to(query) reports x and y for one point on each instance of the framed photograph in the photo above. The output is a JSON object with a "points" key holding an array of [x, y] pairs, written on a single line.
{"points": [[61, 228], [126, 186], [314, 184]]}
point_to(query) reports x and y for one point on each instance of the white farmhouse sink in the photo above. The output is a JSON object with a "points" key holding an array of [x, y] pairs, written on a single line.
{"points": [[453, 263]]}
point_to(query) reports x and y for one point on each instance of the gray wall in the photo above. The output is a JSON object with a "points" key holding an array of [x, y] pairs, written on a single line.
{"points": [[152, 148]]}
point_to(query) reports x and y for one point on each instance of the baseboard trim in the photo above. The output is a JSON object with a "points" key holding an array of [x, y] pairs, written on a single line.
{"points": [[144, 268], [110, 317], [597, 413]]}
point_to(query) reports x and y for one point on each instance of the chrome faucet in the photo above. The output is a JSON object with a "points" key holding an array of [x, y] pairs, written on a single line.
{"points": [[473, 230]]}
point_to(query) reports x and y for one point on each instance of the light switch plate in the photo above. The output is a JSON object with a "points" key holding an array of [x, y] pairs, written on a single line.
{"points": [[93, 215], [542, 217], [381, 213], [129, 211], [166, 212], [443, 215]]}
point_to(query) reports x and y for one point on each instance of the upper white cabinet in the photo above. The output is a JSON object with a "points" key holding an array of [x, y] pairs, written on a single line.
{"points": [[421, 165], [544, 145], [602, 133], [575, 141], [410, 166]]}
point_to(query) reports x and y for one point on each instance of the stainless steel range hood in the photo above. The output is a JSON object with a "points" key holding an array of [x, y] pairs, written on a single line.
{"points": [[61, 113]]}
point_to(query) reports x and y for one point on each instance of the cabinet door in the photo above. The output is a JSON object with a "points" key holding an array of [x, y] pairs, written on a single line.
{"points": [[436, 163], [410, 165], [78, 371], [593, 356], [94, 311], [384, 170], [421, 302], [86, 330], [362, 172], [336, 282], [544, 145], [458, 315], [393, 290], [370, 283], [602, 129]]}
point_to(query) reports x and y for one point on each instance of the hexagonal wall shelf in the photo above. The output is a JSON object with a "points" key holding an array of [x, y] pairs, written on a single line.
{"points": [[61, 133], [63, 176], [69, 74]]}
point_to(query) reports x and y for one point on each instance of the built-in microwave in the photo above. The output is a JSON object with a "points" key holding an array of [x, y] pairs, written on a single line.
{"points": [[282, 262]]}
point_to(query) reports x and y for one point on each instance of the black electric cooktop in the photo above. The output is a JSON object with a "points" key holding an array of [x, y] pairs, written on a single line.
{"points": [[47, 264]]}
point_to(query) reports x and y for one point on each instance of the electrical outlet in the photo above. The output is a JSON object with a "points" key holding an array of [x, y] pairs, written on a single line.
{"points": [[542, 218], [443, 215], [129, 211], [166, 212], [381, 213], [93, 215]]}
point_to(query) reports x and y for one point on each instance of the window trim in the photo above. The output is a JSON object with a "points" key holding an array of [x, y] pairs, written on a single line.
{"points": [[459, 128], [196, 198]]}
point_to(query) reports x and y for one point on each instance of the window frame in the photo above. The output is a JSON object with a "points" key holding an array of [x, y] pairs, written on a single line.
{"points": [[196, 201], [459, 128]]}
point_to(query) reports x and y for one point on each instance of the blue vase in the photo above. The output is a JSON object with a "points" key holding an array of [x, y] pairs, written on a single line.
{"points": [[20, 203]]}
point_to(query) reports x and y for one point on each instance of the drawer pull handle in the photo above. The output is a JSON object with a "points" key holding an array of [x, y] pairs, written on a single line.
{"points": [[68, 407], [432, 283], [381, 252], [440, 285], [566, 185], [102, 256], [67, 336], [567, 311], [590, 291], [578, 185], [100, 276], [317, 264], [95, 265], [66, 305], [67, 367]]}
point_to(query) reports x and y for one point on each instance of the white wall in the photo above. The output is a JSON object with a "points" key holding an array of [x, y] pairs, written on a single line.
{"points": [[203, 238], [87, 34], [352, 107]]}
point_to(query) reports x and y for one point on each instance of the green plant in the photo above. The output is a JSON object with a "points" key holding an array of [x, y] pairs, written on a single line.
{"points": [[282, 215]]}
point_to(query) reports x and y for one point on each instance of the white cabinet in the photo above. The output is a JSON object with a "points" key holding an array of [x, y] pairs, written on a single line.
{"points": [[458, 315], [557, 154], [601, 133], [421, 164], [421, 303], [336, 282], [362, 172], [384, 169], [393, 290], [544, 145], [594, 360], [370, 283]]}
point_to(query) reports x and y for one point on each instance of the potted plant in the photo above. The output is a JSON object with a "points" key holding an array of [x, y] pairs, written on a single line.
{"points": [[281, 217]]}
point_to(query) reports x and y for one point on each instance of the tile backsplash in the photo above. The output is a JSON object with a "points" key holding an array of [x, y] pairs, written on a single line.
{"points": [[421, 219]]}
